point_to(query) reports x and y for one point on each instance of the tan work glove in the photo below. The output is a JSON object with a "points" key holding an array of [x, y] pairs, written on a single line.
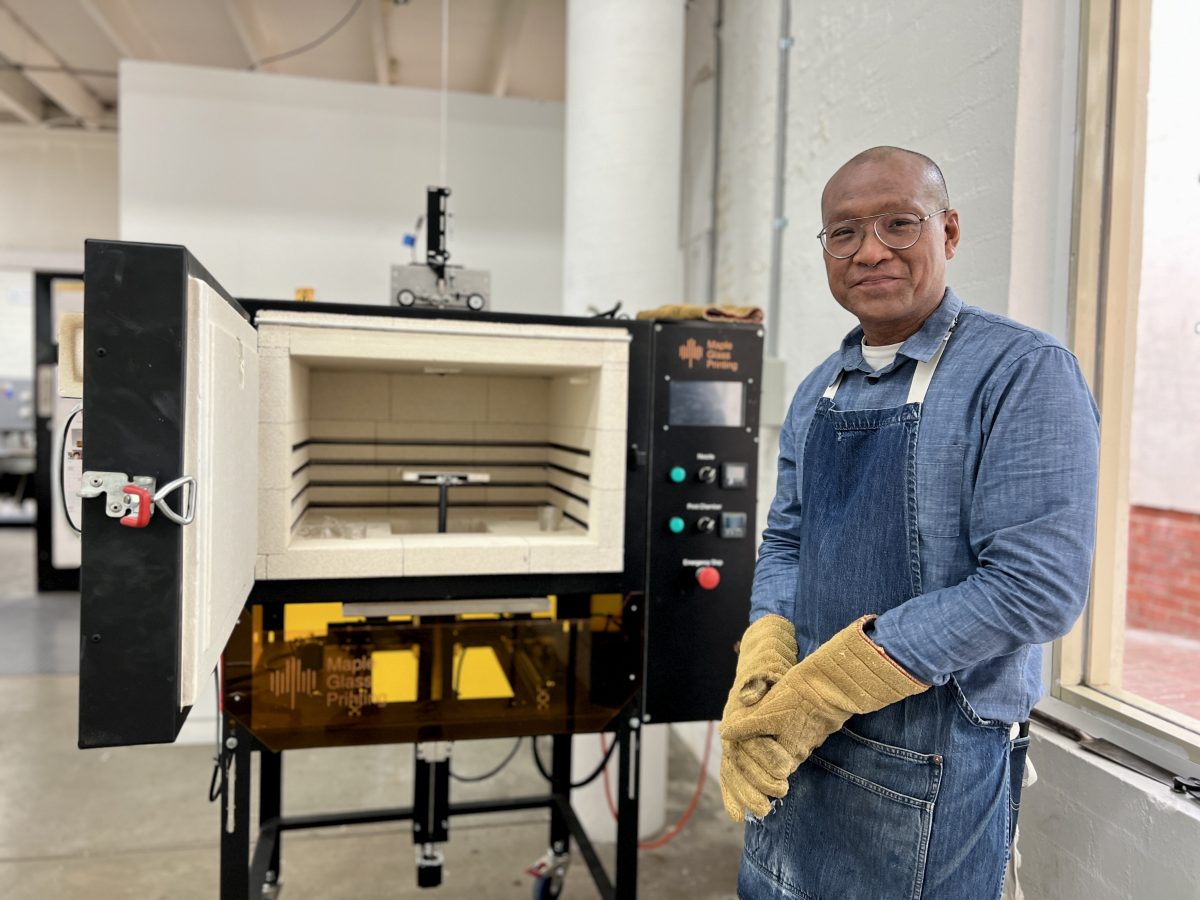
{"points": [[766, 653], [849, 674]]}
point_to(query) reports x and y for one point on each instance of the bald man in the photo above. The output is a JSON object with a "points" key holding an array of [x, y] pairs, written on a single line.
{"points": [[932, 527]]}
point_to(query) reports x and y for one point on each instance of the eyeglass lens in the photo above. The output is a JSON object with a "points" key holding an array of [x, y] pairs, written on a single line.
{"points": [[899, 231]]}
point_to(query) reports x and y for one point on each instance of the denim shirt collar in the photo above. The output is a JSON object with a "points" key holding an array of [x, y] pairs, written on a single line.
{"points": [[920, 346]]}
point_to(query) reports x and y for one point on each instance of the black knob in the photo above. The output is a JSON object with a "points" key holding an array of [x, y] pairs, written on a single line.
{"points": [[707, 474], [706, 524]]}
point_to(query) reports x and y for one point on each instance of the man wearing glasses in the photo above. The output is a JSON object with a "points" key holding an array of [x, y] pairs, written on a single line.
{"points": [[932, 527]]}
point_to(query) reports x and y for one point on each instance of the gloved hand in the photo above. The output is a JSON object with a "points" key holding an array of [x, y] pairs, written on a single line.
{"points": [[849, 674], [766, 653], [748, 779]]}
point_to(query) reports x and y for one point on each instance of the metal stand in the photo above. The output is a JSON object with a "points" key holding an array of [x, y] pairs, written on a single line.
{"points": [[244, 876]]}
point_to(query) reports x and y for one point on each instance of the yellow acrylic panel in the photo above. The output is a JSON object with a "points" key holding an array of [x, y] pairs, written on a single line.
{"points": [[394, 676], [480, 676]]}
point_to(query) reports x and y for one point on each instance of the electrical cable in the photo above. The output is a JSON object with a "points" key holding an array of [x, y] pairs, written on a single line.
{"points": [[609, 313], [492, 773], [673, 832], [313, 44], [456, 686], [537, 759], [62, 465]]}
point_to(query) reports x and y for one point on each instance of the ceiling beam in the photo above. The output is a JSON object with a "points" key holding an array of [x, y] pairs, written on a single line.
{"points": [[20, 97], [122, 28], [23, 48], [378, 24], [508, 35], [249, 30]]}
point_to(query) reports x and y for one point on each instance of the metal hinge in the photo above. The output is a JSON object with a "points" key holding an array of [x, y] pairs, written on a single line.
{"points": [[1187, 785], [134, 499]]}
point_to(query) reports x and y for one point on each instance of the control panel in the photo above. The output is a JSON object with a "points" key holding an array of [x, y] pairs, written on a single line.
{"points": [[703, 477]]}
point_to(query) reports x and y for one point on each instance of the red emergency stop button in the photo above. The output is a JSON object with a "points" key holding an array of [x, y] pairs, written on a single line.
{"points": [[708, 577]]}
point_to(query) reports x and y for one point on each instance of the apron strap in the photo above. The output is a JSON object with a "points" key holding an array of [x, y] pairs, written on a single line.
{"points": [[924, 373], [921, 377]]}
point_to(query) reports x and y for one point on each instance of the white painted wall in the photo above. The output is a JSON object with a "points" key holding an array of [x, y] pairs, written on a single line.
{"points": [[935, 77], [1043, 167], [624, 92], [276, 182], [58, 188], [1165, 440], [746, 176]]}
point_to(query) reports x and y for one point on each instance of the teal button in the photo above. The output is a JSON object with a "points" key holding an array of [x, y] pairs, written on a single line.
{"points": [[678, 474], [676, 524]]}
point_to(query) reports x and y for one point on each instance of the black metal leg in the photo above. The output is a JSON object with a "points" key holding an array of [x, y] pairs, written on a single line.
{"points": [[270, 803], [628, 788], [431, 810], [235, 816], [443, 505], [560, 787]]}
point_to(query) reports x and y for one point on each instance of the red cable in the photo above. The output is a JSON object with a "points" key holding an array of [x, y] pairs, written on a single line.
{"points": [[673, 832]]}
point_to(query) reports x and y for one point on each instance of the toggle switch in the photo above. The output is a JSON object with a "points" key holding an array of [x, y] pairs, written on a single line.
{"points": [[707, 474], [706, 524], [708, 577]]}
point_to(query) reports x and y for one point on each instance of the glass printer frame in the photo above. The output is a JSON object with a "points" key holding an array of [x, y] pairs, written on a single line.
{"points": [[474, 511]]}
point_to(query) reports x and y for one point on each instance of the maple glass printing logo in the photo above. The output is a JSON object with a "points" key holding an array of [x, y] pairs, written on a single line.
{"points": [[717, 354], [691, 352]]}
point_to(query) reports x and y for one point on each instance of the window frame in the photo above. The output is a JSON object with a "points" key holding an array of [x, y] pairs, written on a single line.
{"points": [[1106, 245]]}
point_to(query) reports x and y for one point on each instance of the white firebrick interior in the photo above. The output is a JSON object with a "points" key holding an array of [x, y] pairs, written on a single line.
{"points": [[350, 405]]}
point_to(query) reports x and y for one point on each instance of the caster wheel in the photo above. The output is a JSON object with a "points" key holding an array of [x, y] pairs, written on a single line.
{"points": [[546, 889]]}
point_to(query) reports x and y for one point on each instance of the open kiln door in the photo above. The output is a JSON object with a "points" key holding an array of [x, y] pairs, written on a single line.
{"points": [[170, 459]]}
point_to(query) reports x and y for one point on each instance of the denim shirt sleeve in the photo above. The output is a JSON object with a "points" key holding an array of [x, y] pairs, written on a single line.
{"points": [[777, 574], [1031, 527]]}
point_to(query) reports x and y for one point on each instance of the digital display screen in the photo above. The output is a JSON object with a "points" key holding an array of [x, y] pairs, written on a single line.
{"points": [[706, 403]]}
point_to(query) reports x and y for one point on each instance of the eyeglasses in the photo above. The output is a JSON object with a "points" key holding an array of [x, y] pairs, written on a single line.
{"points": [[899, 231]]}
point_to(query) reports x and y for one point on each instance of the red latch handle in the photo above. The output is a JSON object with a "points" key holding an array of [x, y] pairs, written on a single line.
{"points": [[140, 518]]}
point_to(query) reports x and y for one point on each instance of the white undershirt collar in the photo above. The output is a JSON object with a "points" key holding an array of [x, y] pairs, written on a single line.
{"points": [[880, 357]]}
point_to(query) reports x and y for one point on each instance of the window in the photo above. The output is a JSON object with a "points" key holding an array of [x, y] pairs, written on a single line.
{"points": [[1133, 662]]}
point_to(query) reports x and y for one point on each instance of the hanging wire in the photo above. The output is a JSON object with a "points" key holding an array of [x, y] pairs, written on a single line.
{"points": [[62, 464], [537, 759], [445, 88], [492, 773], [313, 44], [67, 70]]}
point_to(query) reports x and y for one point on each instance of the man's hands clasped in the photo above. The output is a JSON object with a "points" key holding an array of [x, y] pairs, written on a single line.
{"points": [[778, 713]]}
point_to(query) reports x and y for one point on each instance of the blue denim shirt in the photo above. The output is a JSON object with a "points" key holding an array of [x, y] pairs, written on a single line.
{"points": [[1007, 460]]}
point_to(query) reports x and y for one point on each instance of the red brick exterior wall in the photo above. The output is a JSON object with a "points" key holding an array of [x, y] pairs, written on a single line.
{"points": [[1164, 571]]}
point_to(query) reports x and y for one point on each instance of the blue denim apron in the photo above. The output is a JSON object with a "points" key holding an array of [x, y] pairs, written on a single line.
{"points": [[912, 801]]}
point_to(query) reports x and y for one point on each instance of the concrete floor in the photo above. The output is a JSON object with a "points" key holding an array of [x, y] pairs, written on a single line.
{"points": [[136, 822]]}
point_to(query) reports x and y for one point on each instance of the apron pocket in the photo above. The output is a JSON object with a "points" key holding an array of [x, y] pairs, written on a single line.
{"points": [[856, 822]]}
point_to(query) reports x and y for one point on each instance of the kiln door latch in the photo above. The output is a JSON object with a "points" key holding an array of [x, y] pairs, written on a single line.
{"points": [[134, 499]]}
